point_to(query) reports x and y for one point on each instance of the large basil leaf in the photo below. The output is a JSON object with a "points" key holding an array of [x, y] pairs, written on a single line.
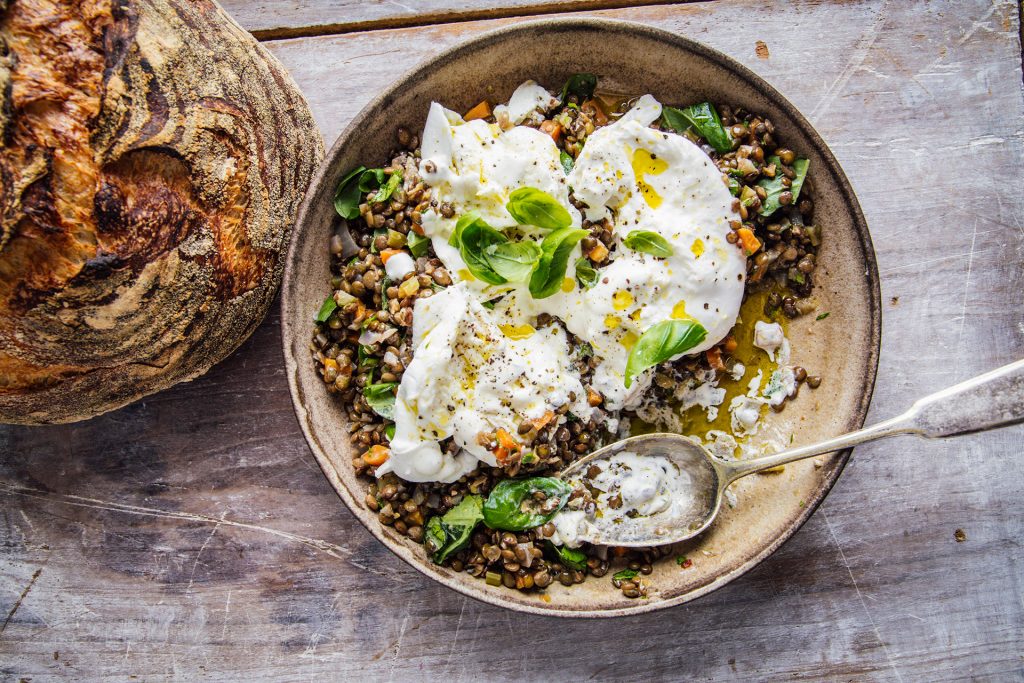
{"points": [[472, 236], [774, 187], [530, 206], [586, 274], [326, 309], [649, 243], [660, 342], [580, 85], [348, 195], [446, 535], [513, 261], [702, 118], [512, 506], [381, 398], [550, 271]]}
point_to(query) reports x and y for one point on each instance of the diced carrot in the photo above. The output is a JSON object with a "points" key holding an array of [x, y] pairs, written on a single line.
{"points": [[385, 254], [418, 229], [542, 421], [376, 455], [552, 129], [598, 254], [506, 441], [480, 111], [750, 243], [730, 344], [501, 455], [714, 355]]}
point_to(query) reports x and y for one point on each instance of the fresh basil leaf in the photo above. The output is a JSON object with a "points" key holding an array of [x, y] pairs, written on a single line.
{"points": [[774, 187], [364, 360], [660, 342], [381, 398], [530, 206], [417, 244], [704, 120], [649, 243], [371, 179], [625, 575], [513, 261], [388, 188], [550, 271], [450, 533], [326, 308], [513, 507], [347, 197], [389, 431], [472, 236], [586, 274], [580, 85], [567, 161], [570, 557], [734, 187]]}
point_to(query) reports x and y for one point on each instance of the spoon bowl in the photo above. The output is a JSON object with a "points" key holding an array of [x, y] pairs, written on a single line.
{"points": [[696, 469], [696, 480]]}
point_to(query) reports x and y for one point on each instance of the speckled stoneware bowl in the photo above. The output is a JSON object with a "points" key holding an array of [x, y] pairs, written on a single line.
{"points": [[636, 59]]}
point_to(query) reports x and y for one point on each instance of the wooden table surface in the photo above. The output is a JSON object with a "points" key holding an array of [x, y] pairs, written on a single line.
{"points": [[193, 536]]}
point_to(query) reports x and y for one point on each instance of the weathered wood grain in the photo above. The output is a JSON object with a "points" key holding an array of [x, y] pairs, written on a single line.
{"points": [[192, 536], [271, 19]]}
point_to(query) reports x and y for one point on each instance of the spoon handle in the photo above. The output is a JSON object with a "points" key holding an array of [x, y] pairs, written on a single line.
{"points": [[994, 399]]}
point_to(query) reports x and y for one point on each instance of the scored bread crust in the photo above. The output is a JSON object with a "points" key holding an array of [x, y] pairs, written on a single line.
{"points": [[152, 156]]}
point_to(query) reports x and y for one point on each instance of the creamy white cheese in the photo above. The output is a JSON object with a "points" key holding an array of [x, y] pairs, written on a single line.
{"points": [[399, 265], [527, 103], [632, 489], [468, 378], [770, 338]]}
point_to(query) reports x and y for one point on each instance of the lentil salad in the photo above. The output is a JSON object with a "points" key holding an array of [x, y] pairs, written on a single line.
{"points": [[361, 341]]}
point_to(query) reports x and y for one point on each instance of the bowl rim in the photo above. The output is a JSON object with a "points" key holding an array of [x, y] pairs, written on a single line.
{"points": [[289, 322]]}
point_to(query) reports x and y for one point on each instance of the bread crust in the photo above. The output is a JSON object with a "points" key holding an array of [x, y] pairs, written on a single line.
{"points": [[152, 158]]}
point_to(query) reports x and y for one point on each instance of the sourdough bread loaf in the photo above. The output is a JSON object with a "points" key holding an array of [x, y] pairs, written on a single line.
{"points": [[153, 157]]}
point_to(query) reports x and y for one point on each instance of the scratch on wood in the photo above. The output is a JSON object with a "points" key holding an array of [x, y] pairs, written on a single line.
{"points": [[455, 638], [21, 598], [192, 575], [860, 596], [334, 550], [398, 647], [860, 54], [963, 309]]}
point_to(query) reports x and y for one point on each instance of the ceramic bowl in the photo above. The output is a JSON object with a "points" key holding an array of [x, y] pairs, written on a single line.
{"points": [[635, 59]]}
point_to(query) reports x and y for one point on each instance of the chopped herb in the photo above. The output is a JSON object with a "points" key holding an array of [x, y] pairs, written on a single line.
{"points": [[326, 308], [580, 85], [626, 575], [417, 244], [446, 535], [567, 161], [381, 398], [586, 274], [389, 431], [822, 316], [704, 120], [570, 557], [774, 186], [347, 196]]}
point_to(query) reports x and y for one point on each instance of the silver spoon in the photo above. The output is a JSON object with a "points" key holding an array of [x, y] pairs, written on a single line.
{"points": [[995, 399]]}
